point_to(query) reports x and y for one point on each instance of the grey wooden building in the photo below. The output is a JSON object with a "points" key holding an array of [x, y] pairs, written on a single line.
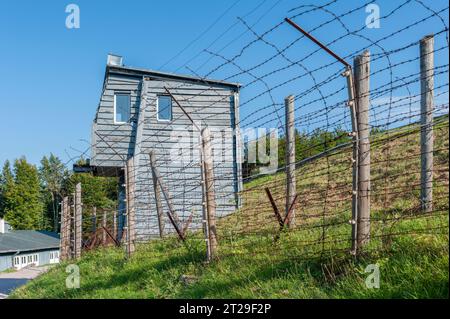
{"points": [[136, 115], [22, 248]]}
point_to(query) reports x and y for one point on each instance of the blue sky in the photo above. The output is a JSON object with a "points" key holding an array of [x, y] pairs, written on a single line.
{"points": [[51, 76]]}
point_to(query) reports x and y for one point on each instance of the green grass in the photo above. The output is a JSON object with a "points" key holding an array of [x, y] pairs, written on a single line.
{"points": [[414, 267], [309, 261]]}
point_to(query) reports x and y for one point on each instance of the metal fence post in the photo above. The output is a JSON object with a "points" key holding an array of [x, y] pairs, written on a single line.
{"points": [[290, 157], [355, 157], [362, 88], [209, 193], [426, 121], [78, 221]]}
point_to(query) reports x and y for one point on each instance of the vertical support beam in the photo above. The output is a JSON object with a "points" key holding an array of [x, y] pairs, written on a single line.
{"points": [[129, 186], [355, 156], [290, 157], [104, 225], [426, 121], [362, 88], [209, 195], [78, 221], [159, 207]]}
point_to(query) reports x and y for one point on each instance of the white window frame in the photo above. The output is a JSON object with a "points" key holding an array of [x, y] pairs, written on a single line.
{"points": [[114, 114], [22, 261], [157, 109], [16, 262], [54, 257]]}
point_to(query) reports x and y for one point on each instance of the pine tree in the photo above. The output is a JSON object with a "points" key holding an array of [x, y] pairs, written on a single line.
{"points": [[6, 182], [22, 198]]}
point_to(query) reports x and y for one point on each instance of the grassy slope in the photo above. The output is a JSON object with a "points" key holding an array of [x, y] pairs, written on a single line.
{"points": [[251, 266]]}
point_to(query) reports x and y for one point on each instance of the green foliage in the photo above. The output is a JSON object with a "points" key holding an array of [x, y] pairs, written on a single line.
{"points": [[53, 175], [100, 192], [6, 182], [29, 197], [22, 197]]}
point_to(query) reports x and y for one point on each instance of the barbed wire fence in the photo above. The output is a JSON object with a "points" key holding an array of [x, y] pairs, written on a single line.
{"points": [[360, 140]]}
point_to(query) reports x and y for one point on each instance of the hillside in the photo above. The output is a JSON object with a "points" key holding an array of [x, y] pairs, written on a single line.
{"points": [[310, 261]]}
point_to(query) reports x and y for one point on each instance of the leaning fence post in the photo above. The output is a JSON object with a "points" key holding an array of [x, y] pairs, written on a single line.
{"points": [[129, 191], [362, 88], [290, 157], [78, 220], [209, 194], [426, 121], [159, 208]]}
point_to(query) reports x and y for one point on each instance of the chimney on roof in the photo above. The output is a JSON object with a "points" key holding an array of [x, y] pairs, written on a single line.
{"points": [[114, 60], [4, 226]]}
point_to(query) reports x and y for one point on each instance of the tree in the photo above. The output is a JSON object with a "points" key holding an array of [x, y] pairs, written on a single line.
{"points": [[6, 182], [53, 174], [22, 197]]}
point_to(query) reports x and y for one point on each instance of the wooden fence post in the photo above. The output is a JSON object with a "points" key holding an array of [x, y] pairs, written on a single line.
{"points": [[362, 88], [71, 227], [159, 208], [426, 121], [65, 228], [129, 191], [209, 193], [94, 220], [78, 220], [115, 225], [104, 225], [290, 157]]}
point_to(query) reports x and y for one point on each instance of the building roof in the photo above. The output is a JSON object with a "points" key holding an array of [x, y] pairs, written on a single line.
{"points": [[28, 240], [158, 74]]}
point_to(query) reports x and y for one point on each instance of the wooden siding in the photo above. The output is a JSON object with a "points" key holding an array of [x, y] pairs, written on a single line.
{"points": [[113, 144]]}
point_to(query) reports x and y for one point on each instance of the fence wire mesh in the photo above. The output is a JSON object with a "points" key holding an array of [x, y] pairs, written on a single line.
{"points": [[270, 65]]}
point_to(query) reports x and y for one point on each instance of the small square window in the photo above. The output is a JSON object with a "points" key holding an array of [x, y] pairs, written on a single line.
{"points": [[122, 108], [164, 108]]}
